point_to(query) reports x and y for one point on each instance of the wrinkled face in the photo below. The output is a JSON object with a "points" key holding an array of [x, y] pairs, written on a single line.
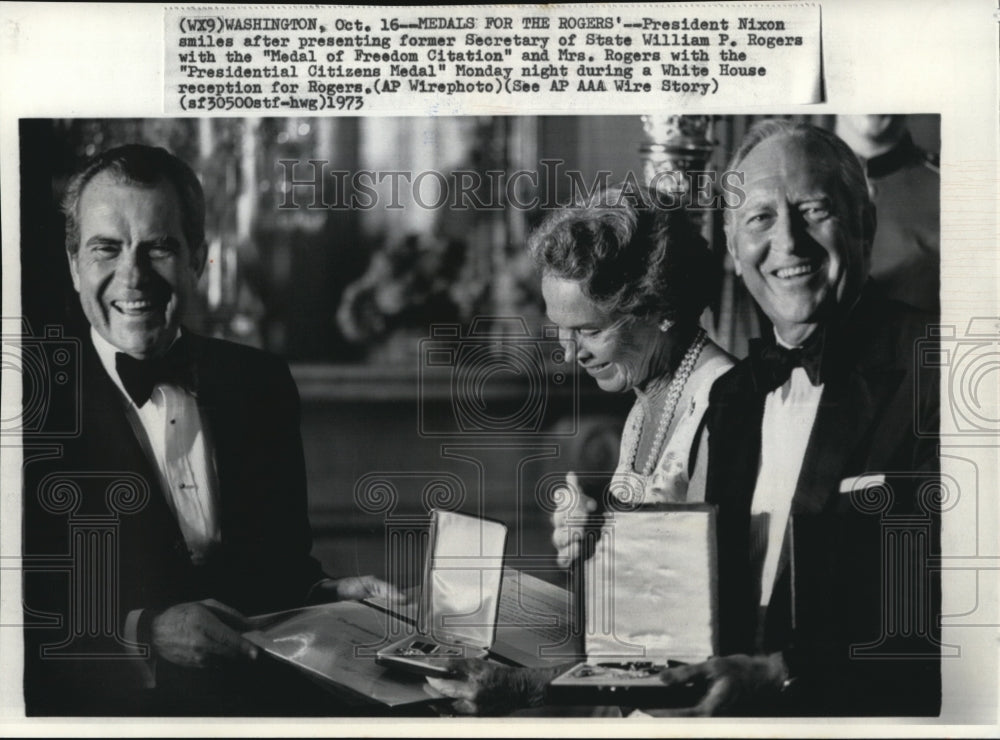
{"points": [[619, 352], [801, 246], [134, 269]]}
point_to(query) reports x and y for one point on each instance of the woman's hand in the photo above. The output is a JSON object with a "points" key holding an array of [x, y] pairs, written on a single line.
{"points": [[568, 547], [735, 685], [489, 689]]}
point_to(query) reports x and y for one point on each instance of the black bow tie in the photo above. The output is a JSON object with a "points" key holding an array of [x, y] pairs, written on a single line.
{"points": [[773, 364], [140, 376]]}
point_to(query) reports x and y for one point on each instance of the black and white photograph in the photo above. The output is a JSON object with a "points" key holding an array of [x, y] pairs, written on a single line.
{"points": [[459, 415]]}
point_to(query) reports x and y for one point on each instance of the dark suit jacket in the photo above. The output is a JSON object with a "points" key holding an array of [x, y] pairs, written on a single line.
{"points": [[100, 540], [855, 606]]}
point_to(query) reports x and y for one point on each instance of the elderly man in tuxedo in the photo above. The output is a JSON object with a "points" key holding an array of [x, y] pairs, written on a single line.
{"points": [[828, 521], [204, 433]]}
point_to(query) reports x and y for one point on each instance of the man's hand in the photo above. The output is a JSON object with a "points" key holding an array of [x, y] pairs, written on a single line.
{"points": [[201, 634], [490, 689], [736, 685], [569, 549], [355, 588]]}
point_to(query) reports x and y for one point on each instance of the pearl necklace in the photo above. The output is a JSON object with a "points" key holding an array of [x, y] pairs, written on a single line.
{"points": [[674, 390]]}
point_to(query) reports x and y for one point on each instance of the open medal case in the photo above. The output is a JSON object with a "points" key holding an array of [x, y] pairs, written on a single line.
{"points": [[460, 597], [650, 603]]}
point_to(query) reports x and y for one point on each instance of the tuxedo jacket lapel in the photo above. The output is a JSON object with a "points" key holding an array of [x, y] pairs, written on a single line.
{"points": [[151, 535], [111, 440], [737, 409], [850, 409], [735, 412]]}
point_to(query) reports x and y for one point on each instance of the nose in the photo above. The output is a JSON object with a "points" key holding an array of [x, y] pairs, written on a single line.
{"points": [[785, 231], [132, 268], [567, 343], [575, 346]]}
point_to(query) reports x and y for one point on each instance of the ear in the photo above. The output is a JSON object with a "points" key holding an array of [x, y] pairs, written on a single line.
{"points": [[199, 255], [74, 268]]}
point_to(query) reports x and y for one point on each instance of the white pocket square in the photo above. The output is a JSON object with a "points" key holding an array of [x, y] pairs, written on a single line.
{"points": [[861, 482]]}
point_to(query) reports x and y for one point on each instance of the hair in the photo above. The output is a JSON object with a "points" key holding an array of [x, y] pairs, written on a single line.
{"points": [[145, 166], [847, 166], [631, 254]]}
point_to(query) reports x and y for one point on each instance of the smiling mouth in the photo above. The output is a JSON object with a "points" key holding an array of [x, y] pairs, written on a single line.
{"points": [[596, 368], [788, 273], [134, 308]]}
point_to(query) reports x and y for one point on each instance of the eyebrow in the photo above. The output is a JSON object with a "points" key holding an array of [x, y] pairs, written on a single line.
{"points": [[165, 239], [98, 241], [754, 199], [764, 201]]}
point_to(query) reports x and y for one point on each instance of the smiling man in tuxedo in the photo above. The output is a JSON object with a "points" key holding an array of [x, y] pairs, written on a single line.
{"points": [[210, 429], [815, 464]]}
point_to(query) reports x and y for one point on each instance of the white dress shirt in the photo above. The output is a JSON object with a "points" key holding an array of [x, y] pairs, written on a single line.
{"points": [[789, 415], [171, 431]]}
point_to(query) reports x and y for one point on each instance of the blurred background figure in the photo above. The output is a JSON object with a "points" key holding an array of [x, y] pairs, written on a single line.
{"points": [[905, 186]]}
